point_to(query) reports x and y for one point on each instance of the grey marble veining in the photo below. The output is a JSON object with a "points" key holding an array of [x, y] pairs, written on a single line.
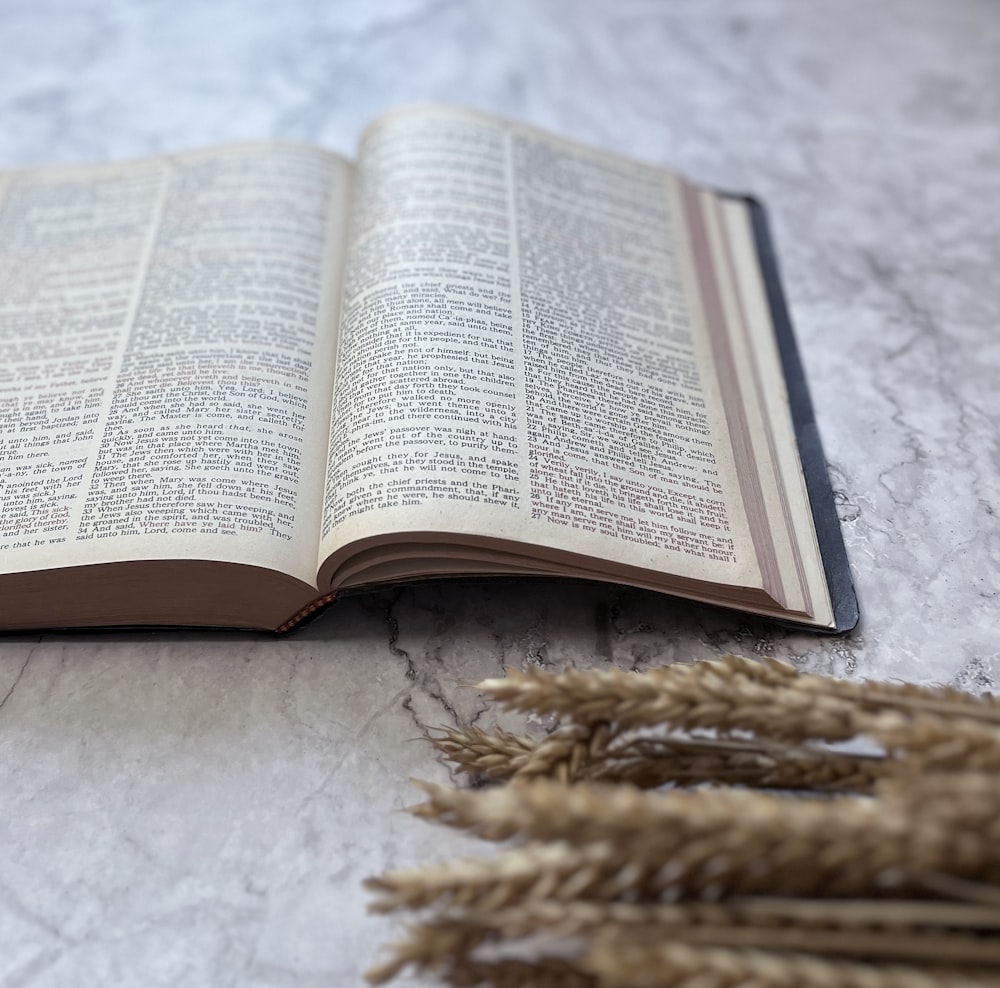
{"points": [[199, 809]]}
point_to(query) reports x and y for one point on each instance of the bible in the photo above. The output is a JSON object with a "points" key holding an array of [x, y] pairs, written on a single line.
{"points": [[238, 382]]}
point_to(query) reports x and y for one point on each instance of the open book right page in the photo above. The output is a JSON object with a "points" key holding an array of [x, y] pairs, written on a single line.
{"points": [[527, 377]]}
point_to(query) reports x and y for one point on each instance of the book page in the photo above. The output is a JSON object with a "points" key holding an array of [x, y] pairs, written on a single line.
{"points": [[166, 345], [754, 345], [523, 357]]}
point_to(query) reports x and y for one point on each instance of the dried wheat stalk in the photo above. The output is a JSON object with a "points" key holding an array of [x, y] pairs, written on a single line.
{"points": [[896, 918], [811, 855], [449, 945], [931, 742], [576, 754], [714, 695], [568, 753], [934, 728], [676, 965], [650, 762], [445, 949], [874, 695], [538, 871], [736, 925], [706, 693], [716, 888], [733, 832], [496, 755], [951, 949]]}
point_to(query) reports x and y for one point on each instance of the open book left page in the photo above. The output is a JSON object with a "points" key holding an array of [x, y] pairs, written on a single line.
{"points": [[167, 337]]}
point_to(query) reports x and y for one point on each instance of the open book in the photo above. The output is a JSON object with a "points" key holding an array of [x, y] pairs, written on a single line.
{"points": [[236, 382]]}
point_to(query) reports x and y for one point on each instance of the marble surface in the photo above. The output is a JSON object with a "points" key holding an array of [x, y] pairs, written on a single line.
{"points": [[199, 809]]}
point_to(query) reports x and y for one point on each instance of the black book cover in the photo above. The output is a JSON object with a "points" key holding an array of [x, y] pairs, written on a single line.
{"points": [[824, 511]]}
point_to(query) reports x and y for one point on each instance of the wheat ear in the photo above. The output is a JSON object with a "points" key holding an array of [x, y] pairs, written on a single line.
{"points": [[770, 698], [555, 869], [687, 697], [496, 755], [651, 761], [903, 919], [913, 947], [931, 742], [447, 945], [889, 935], [963, 809], [696, 868], [730, 842], [873, 695]]}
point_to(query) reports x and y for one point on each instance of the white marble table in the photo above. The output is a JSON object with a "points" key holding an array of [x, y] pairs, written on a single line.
{"points": [[199, 809]]}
